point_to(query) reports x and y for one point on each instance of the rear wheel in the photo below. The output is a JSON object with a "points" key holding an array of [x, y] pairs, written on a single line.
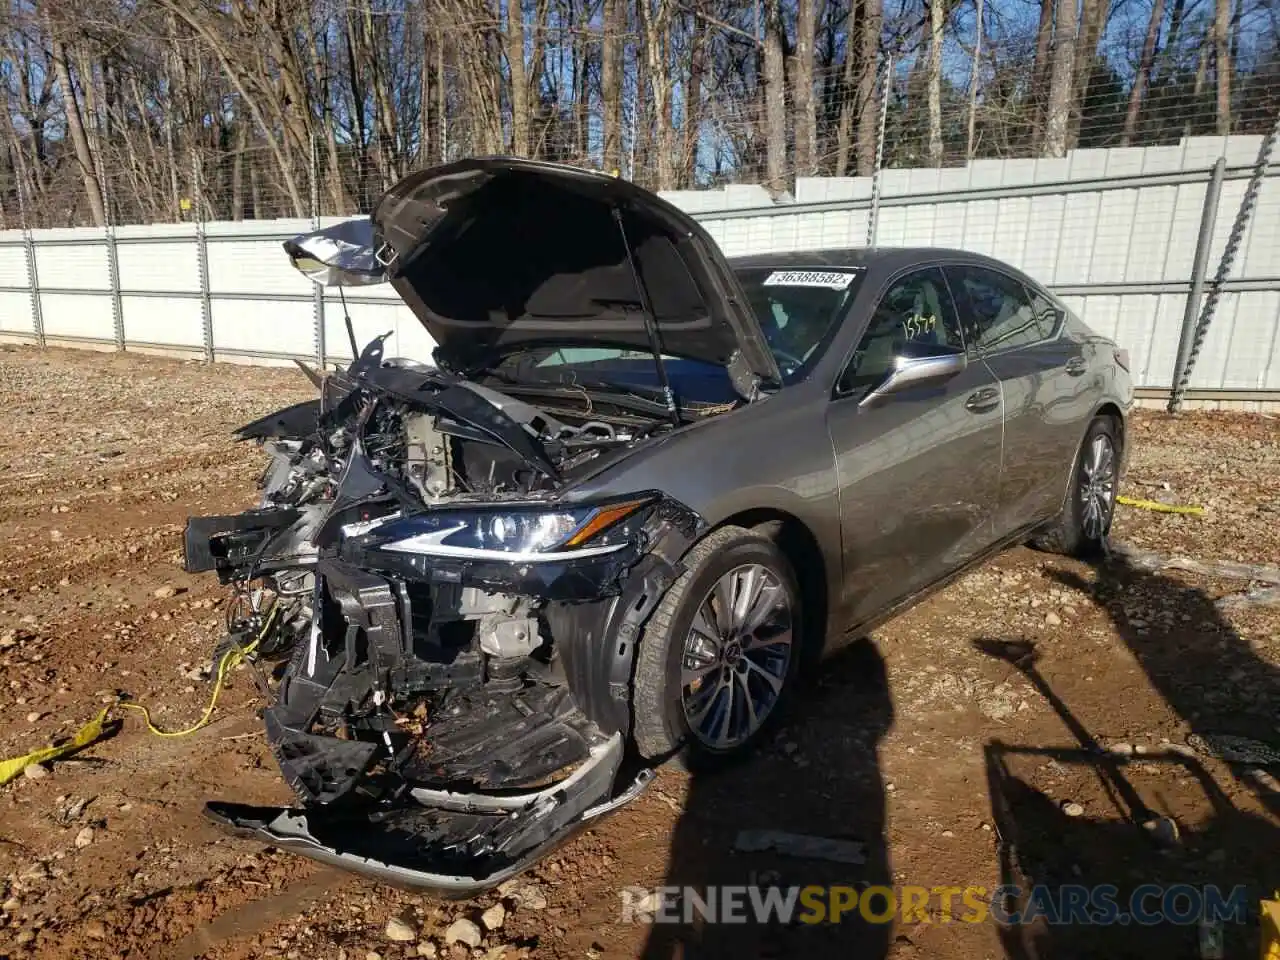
{"points": [[720, 654], [1082, 527]]}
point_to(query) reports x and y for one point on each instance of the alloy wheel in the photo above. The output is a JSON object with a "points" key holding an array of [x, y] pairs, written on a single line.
{"points": [[1098, 486], [736, 656]]}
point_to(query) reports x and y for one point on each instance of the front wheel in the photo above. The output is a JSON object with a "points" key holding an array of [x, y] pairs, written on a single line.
{"points": [[720, 654], [1082, 527]]}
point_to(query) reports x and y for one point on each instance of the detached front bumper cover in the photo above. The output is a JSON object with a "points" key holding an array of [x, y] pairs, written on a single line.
{"points": [[454, 845]]}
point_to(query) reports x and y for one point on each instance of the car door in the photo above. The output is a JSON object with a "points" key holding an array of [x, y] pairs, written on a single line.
{"points": [[1020, 333], [918, 470]]}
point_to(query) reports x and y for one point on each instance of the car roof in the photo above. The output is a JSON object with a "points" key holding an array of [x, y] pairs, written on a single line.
{"points": [[880, 258]]}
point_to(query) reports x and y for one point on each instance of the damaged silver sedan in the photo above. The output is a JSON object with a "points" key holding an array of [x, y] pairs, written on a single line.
{"points": [[637, 489]]}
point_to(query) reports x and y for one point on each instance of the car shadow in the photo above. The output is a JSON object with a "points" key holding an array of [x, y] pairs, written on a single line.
{"points": [[821, 778], [1193, 657], [1152, 833]]}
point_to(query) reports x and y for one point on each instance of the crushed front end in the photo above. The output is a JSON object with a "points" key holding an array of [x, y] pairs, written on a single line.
{"points": [[455, 635]]}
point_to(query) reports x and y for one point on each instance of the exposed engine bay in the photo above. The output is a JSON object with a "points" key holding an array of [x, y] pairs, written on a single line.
{"points": [[454, 648], [441, 567]]}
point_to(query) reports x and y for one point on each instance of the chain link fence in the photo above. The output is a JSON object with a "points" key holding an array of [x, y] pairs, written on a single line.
{"points": [[961, 132], [191, 117]]}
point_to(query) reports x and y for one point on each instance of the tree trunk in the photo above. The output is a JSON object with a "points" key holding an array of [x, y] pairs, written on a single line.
{"points": [[1093, 18], [1058, 109], [519, 80], [937, 21], [775, 97], [973, 84], [237, 173], [848, 89], [75, 129], [806, 122], [693, 101], [1040, 72], [581, 92], [1202, 68], [1222, 63], [1143, 79], [848, 92], [442, 101], [657, 33], [611, 84], [869, 87], [319, 71], [386, 119]]}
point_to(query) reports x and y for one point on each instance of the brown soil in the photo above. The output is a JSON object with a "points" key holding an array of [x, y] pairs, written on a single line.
{"points": [[104, 456]]}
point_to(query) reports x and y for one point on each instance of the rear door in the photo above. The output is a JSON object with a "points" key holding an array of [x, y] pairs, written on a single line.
{"points": [[918, 471], [1020, 333]]}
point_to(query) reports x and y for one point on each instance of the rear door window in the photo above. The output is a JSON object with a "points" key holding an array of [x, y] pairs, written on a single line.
{"points": [[998, 312]]}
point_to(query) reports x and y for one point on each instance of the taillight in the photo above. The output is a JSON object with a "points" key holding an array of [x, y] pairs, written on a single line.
{"points": [[1122, 357]]}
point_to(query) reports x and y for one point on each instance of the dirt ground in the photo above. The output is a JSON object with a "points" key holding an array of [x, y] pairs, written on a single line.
{"points": [[956, 756]]}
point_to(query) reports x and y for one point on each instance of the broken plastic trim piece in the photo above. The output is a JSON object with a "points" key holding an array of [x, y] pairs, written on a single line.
{"points": [[455, 845]]}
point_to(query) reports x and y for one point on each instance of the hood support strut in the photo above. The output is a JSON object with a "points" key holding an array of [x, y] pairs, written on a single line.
{"points": [[650, 324]]}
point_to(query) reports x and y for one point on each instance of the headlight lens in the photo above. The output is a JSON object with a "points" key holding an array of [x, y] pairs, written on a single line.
{"points": [[519, 533]]}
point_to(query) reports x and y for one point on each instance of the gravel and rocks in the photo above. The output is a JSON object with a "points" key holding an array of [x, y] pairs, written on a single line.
{"points": [[1066, 683]]}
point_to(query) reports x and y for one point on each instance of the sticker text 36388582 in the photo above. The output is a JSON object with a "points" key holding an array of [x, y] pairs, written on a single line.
{"points": [[832, 279]]}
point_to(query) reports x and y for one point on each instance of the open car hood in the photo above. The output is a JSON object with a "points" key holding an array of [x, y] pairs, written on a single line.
{"points": [[496, 254]]}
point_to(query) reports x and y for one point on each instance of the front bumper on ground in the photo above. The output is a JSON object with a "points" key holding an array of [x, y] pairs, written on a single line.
{"points": [[454, 845]]}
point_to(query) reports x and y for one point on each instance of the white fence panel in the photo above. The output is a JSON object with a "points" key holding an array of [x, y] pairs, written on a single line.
{"points": [[162, 321], [78, 316], [15, 313], [1113, 230]]}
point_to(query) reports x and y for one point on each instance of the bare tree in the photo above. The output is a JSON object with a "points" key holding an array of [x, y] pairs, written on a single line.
{"points": [[775, 96], [973, 82], [1222, 63], [692, 127], [656, 18], [1058, 107], [937, 21], [76, 131], [611, 67], [1041, 71], [806, 123], [519, 81], [1143, 78], [1093, 17], [869, 85]]}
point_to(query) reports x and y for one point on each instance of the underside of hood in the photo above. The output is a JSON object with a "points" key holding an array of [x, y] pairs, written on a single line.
{"points": [[495, 255]]}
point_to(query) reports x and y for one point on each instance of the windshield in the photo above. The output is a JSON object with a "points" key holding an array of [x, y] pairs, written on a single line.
{"points": [[798, 311]]}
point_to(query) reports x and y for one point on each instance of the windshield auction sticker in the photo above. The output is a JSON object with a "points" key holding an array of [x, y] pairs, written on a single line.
{"points": [[832, 279]]}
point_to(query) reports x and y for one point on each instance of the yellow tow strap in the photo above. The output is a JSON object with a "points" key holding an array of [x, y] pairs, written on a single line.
{"points": [[1159, 507], [229, 661], [92, 730]]}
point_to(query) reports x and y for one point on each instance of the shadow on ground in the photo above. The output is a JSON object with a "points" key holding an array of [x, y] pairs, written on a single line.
{"points": [[829, 788], [1208, 675]]}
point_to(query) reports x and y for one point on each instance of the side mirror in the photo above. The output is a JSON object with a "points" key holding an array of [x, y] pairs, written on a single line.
{"points": [[909, 372]]}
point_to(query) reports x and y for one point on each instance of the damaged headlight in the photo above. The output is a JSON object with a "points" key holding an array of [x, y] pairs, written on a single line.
{"points": [[516, 533]]}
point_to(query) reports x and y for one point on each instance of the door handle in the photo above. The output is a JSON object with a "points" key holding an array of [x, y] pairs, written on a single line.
{"points": [[1077, 365], [988, 398]]}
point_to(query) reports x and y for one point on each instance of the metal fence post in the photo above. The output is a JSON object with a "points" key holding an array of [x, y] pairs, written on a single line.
{"points": [[1208, 217], [33, 275], [202, 262], [113, 269], [873, 215], [317, 294]]}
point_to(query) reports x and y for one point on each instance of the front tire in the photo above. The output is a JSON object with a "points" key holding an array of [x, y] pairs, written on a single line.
{"points": [[1082, 528], [719, 657]]}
